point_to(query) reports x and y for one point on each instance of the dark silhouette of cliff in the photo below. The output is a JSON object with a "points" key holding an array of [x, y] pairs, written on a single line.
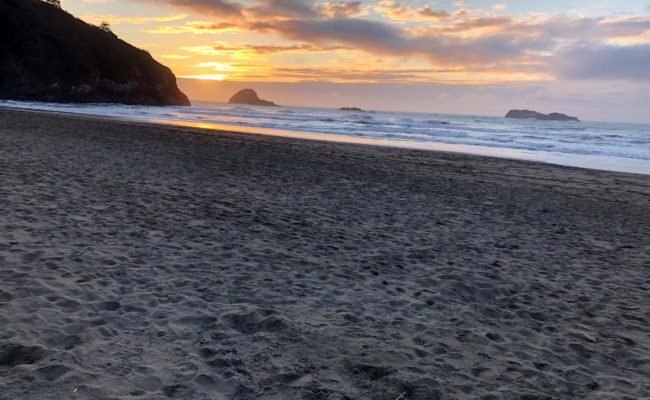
{"points": [[47, 54]]}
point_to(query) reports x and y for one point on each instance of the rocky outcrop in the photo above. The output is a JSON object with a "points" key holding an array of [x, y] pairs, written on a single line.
{"points": [[248, 96], [47, 54], [356, 109], [527, 114]]}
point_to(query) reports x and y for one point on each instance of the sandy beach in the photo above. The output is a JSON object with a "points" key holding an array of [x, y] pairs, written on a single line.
{"points": [[150, 262]]}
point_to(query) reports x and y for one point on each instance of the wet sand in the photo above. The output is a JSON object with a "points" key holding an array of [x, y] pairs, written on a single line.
{"points": [[151, 262]]}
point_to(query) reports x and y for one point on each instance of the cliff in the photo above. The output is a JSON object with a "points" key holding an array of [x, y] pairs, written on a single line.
{"points": [[248, 96], [527, 114], [47, 54]]}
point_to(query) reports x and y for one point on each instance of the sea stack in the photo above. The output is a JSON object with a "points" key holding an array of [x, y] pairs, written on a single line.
{"points": [[528, 114], [46, 54], [248, 96]]}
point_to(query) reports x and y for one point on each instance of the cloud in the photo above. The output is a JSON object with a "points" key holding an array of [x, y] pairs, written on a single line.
{"points": [[398, 11], [221, 9], [203, 49], [347, 75], [272, 48], [627, 26], [365, 34], [500, 41], [284, 8], [198, 28], [176, 17], [218, 8], [343, 9], [604, 63], [385, 75], [116, 20], [484, 26], [571, 47], [382, 38], [436, 15]]}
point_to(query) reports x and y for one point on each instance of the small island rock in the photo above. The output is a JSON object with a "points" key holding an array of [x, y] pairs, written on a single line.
{"points": [[356, 109], [248, 96], [528, 114]]}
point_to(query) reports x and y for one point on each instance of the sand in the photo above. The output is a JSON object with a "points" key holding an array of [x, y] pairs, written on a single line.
{"points": [[150, 262]]}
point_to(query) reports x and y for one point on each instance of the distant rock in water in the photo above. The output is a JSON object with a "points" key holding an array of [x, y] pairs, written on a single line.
{"points": [[527, 114], [47, 54], [357, 109], [248, 96]]}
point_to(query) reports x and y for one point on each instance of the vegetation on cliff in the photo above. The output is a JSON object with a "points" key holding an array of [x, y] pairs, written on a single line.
{"points": [[47, 54]]}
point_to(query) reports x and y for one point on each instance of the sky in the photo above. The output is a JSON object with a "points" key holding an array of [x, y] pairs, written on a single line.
{"points": [[584, 58]]}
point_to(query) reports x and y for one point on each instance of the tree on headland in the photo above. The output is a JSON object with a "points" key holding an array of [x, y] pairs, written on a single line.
{"points": [[55, 3], [105, 26]]}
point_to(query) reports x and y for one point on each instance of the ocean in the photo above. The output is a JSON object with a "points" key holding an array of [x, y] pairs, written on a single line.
{"points": [[610, 146]]}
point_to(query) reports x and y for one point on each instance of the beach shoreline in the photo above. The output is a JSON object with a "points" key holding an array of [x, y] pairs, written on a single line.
{"points": [[588, 161], [148, 261]]}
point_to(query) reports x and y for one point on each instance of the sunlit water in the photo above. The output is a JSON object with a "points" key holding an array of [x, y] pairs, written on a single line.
{"points": [[598, 145]]}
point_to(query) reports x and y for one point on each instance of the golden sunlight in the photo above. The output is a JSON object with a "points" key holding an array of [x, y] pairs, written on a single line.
{"points": [[207, 77]]}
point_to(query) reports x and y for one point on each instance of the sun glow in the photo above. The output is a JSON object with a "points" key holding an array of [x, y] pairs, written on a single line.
{"points": [[207, 77], [215, 66]]}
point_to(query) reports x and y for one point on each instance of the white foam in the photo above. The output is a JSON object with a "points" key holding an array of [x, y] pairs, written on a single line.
{"points": [[608, 146]]}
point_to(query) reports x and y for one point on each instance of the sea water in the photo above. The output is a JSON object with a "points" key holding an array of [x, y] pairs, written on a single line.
{"points": [[598, 145]]}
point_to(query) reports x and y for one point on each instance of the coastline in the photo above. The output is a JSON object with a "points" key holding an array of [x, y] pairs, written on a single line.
{"points": [[588, 161], [153, 261]]}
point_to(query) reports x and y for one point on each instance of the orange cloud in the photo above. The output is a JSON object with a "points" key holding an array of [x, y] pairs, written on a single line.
{"points": [[117, 20], [344, 9], [477, 42], [198, 28], [405, 12]]}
